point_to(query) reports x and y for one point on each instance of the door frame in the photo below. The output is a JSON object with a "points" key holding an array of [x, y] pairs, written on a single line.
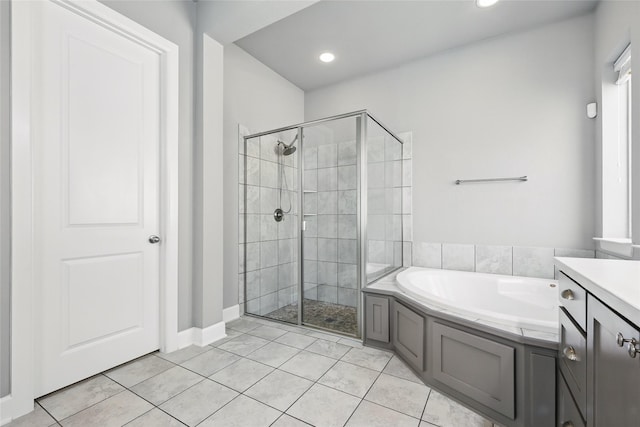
{"points": [[24, 21]]}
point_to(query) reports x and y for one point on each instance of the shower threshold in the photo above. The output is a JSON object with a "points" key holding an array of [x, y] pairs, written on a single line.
{"points": [[324, 315]]}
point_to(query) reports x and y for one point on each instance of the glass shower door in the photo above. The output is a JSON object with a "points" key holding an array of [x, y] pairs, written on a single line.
{"points": [[329, 247], [271, 224]]}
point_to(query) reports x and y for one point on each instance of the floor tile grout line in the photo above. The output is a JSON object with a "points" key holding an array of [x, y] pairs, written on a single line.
{"points": [[93, 404]]}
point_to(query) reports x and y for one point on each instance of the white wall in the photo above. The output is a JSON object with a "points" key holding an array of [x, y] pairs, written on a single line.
{"points": [[507, 106], [617, 23], [258, 98]]}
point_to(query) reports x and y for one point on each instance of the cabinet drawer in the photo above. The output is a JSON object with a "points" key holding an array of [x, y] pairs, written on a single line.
{"points": [[408, 335], [377, 314], [479, 368], [568, 414], [574, 299], [573, 360]]}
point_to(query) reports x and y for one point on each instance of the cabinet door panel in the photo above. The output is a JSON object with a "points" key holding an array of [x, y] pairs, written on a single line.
{"points": [[479, 368], [377, 324], [613, 375], [408, 335], [568, 413]]}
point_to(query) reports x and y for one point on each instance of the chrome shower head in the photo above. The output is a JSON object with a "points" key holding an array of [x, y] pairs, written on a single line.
{"points": [[287, 150]]}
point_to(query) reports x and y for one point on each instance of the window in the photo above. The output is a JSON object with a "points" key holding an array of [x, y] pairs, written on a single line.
{"points": [[616, 152]]}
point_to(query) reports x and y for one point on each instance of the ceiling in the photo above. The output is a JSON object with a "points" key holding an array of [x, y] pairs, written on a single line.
{"points": [[369, 36]]}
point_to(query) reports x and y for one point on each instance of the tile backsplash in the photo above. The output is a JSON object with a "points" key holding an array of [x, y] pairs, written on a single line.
{"points": [[494, 259]]}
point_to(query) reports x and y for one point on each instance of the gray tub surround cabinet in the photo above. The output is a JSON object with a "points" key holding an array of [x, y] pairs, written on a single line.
{"points": [[599, 359], [505, 373]]}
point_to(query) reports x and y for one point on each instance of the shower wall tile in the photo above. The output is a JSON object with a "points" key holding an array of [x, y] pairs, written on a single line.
{"points": [[347, 178], [312, 226], [328, 226], [268, 228], [328, 179], [407, 200], [347, 202], [407, 173], [494, 259], [458, 257], [375, 149], [347, 153], [253, 284], [252, 256], [253, 227], [347, 250], [407, 228], [376, 175], [393, 173], [253, 147], [392, 149], [328, 293], [241, 278], [268, 174], [310, 204], [253, 171], [347, 275], [375, 227], [327, 155], [347, 226], [428, 255], [268, 280], [327, 273], [268, 200], [311, 291], [327, 250], [253, 199], [310, 271], [285, 275], [533, 262], [310, 248], [286, 251], [311, 180], [377, 251], [241, 166], [286, 297], [253, 306], [268, 303], [327, 202], [268, 254], [310, 158], [268, 148], [407, 256], [348, 297], [376, 198]]}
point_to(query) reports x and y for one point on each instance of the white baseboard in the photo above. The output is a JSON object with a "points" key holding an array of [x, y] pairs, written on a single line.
{"points": [[231, 313], [6, 414], [201, 337]]}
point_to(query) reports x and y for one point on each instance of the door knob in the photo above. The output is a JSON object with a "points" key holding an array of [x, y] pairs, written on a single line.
{"points": [[154, 239]]}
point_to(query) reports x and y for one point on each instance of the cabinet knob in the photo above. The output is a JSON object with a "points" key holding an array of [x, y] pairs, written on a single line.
{"points": [[570, 353], [567, 294], [633, 348]]}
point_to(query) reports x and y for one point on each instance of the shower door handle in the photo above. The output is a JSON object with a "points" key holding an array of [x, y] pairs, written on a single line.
{"points": [[304, 225]]}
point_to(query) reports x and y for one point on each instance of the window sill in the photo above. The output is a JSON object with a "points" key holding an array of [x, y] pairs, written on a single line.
{"points": [[621, 247]]}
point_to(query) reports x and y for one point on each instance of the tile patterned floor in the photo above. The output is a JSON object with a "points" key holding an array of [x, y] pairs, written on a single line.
{"points": [[262, 374]]}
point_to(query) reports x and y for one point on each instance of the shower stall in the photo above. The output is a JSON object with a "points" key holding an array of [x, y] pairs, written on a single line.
{"points": [[321, 216]]}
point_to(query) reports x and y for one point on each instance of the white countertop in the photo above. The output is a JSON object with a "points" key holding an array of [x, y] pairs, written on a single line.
{"points": [[614, 282]]}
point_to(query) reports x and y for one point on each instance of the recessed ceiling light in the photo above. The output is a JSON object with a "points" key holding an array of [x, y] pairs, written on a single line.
{"points": [[485, 3], [327, 57]]}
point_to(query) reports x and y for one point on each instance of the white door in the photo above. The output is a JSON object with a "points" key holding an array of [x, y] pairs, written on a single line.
{"points": [[96, 196]]}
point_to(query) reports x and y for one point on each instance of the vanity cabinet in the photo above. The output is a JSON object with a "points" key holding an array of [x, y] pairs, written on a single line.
{"points": [[377, 318], [613, 358], [408, 335], [599, 362]]}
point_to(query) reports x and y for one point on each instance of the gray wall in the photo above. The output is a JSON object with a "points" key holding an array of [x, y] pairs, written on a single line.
{"points": [[507, 106], [258, 98], [5, 241], [617, 23]]}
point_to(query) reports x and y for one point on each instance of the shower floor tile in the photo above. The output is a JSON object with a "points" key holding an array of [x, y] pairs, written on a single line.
{"points": [[326, 315], [324, 385]]}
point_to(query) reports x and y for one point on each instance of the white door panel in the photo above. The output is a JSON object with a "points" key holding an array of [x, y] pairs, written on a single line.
{"points": [[96, 197]]}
